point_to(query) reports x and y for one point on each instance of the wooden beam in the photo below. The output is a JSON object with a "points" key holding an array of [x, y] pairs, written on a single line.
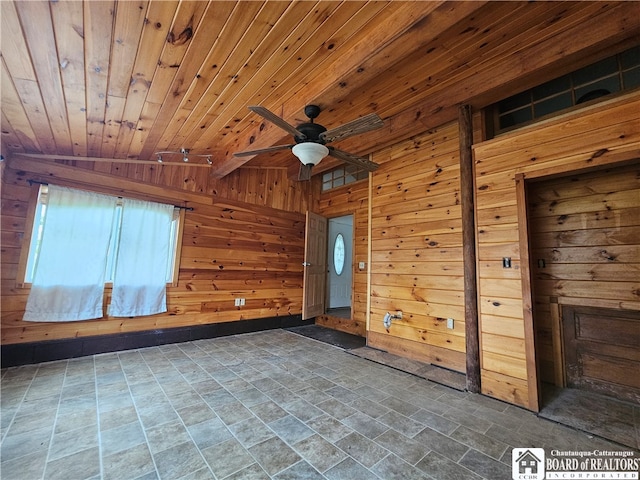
{"points": [[469, 249], [112, 160], [100, 182]]}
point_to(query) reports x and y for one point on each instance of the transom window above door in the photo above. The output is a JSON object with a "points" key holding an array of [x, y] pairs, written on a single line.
{"points": [[618, 73]]}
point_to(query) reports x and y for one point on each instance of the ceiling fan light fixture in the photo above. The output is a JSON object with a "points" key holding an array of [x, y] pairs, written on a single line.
{"points": [[310, 153], [311, 139]]}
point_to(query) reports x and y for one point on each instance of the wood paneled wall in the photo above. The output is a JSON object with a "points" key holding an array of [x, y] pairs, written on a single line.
{"points": [[585, 245], [353, 200], [591, 137], [235, 247], [269, 187], [416, 242]]}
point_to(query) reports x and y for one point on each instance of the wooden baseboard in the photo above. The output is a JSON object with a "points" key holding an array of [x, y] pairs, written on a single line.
{"points": [[353, 327], [418, 351]]}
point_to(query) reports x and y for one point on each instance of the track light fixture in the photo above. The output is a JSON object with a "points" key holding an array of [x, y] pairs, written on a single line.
{"points": [[185, 155]]}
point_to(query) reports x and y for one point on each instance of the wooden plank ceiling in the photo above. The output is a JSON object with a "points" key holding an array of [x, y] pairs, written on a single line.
{"points": [[125, 79]]}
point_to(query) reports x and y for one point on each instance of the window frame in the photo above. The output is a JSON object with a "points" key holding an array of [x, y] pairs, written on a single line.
{"points": [[492, 115], [342, 177], [34, 200]]}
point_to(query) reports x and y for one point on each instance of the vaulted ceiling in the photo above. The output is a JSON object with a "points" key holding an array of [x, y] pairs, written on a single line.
{"points": [[125, 79]]}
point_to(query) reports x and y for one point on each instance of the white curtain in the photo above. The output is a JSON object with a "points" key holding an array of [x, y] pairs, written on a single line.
{"points": [[69, 277], [139, 285]]}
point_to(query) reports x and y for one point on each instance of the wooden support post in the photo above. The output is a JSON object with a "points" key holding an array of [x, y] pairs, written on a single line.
{"points": [[469, 249], [533, 381]]}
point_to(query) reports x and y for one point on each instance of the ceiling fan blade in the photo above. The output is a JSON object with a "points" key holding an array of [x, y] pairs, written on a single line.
{"points": [[352, 159], [276, 120], [305, 172], [275, 148], [354, 127]]}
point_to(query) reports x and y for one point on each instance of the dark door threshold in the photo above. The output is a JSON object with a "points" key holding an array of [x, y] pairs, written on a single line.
{"points": [[336, 338]]}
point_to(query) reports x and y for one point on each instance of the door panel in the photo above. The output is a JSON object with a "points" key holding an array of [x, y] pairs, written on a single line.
{"points": [[315, 266], [602, 350]]}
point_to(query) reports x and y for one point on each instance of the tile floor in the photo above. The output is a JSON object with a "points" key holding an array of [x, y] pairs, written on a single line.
{"points": [[268, 405]]}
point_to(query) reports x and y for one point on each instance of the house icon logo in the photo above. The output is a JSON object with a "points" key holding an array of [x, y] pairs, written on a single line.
{"points": [[527, 463]]}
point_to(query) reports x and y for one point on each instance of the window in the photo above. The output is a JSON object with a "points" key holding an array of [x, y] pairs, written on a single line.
{"points": [[342, 175], [338, 254], [615, 74], [38, 226]]}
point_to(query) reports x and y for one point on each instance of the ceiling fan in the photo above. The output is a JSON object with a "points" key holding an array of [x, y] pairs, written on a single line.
{"points": [[311, 139]]}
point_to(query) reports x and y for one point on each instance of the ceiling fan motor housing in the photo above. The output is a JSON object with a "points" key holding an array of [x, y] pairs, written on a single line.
{"points": [[312, 111], [311, 131]]}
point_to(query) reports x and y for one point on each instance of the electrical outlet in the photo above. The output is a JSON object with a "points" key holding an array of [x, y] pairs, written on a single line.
{"points": [[237, 302], [362, 265], [450, 323], [242, 302]]}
